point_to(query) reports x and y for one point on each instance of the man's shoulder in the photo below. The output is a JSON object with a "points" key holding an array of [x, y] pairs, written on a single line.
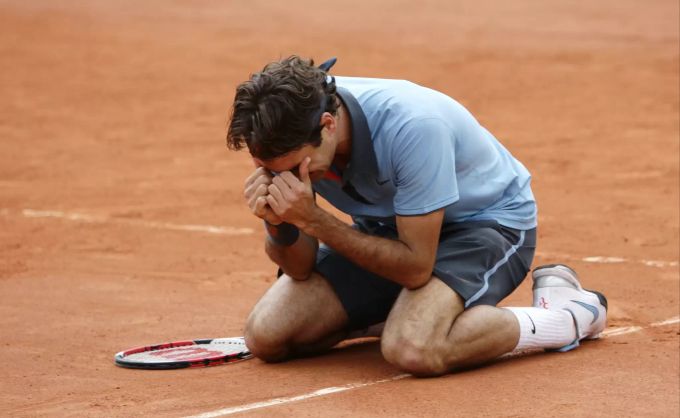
{"points": [[361, 85], [374, 91], [389, 103], [402, 100], [348, 81]]}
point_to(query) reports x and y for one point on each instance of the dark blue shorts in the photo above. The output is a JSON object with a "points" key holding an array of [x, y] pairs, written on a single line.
{"points": [[481, 261]]}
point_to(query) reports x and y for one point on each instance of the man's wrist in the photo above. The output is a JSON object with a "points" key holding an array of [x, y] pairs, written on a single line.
{"points": [[283, 234], [315, 225]]}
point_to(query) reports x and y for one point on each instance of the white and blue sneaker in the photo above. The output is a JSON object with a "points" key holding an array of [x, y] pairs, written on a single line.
{"points": [[556, 286]]}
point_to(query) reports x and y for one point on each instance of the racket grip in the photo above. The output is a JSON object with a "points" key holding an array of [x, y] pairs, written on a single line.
{"points": [[283, 234]]}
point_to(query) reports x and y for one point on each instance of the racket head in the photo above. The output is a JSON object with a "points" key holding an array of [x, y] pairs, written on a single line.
{"points": [[183, 354]]}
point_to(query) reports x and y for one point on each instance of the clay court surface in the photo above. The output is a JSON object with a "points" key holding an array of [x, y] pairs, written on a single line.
{"points": [[122, 221]]}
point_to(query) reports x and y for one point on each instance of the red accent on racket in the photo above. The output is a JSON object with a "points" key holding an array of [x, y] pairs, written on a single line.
{"points": [[182, 354]]}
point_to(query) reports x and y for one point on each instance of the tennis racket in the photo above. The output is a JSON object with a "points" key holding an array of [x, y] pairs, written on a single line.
{"points": [[182, 354]]}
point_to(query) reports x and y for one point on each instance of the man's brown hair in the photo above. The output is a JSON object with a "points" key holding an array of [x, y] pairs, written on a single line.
{"points": [[278, 109]]}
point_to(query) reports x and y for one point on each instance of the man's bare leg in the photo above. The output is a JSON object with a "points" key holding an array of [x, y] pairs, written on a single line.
{"points": [[428, 332], [296, 318]]}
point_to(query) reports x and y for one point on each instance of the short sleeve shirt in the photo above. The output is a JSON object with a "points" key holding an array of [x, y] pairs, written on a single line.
{"points": [[416, 150]]}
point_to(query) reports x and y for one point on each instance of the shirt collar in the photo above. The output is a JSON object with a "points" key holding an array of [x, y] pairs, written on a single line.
{"points": [[363, 158]]}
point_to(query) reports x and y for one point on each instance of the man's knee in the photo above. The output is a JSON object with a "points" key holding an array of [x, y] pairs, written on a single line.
{"points": [[416, 356], [263, 339], [415, 335], [425, 354], [293, 316]]}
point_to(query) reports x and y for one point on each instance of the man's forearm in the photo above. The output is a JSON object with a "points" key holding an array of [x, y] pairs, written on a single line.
{"points": [[296, 260], [392, 259]]}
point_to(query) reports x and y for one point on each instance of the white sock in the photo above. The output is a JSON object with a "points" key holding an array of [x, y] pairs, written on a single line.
{"points": [[543, 328]]}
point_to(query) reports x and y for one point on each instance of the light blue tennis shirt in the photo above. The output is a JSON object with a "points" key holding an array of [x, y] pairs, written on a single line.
{"points": [[415, 150]]}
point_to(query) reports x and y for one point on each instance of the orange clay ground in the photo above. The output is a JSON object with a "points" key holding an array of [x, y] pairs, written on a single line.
{"points": [[112, 125]]}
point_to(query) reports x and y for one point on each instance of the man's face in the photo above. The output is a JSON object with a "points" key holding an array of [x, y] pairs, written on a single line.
{"points": [[321, 159]]}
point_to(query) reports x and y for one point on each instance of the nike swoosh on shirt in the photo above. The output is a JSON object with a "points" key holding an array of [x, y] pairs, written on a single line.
{"points": [[593, 310], [380, 183]]}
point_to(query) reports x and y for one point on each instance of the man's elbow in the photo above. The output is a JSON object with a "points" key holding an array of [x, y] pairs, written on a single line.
{"points": [[300, 276], [417, 280]]}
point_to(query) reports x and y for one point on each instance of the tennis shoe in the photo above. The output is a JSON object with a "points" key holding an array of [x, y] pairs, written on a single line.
{"points": [[556, 286]]}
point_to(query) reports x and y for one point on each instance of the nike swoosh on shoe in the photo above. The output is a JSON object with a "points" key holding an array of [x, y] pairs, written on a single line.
{"points": [[593, 310]]}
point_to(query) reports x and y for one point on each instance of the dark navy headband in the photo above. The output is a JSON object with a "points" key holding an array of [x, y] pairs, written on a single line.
{"points": [[325, 66]]}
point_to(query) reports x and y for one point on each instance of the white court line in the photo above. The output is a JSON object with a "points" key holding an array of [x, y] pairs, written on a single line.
{"points": [[82, 217], [279, 401], [226, 230], [611, 332], [608, 260], [670, 321]]}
